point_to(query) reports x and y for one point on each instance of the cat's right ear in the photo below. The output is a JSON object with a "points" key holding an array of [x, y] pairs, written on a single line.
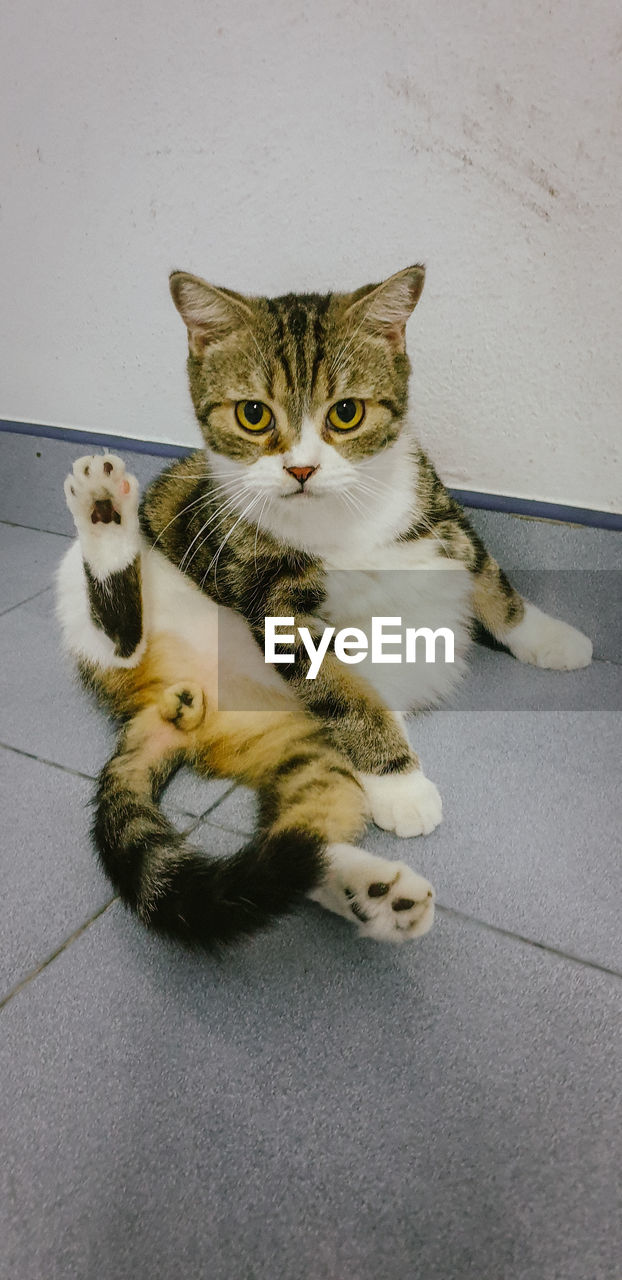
{"points": [[209, 313]]}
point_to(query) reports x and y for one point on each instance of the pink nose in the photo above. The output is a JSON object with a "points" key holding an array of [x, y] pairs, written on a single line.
{"points": [[300, 473]]}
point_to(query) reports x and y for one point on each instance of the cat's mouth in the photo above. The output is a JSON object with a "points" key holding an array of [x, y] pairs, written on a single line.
{"points": [[301, 493]]}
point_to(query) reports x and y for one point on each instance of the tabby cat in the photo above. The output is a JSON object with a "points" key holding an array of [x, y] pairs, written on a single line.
{"points": [[310, 467]]}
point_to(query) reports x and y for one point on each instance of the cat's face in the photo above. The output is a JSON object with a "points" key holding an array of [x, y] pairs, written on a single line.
{"points": [[297, 396]]}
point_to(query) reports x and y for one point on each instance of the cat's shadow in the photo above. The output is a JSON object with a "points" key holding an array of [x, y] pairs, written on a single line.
{"points": [[310, 965]]}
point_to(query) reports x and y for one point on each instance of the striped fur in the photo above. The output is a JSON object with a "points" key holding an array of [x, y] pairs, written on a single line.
{"points": [[310, 466], [308, 800]]}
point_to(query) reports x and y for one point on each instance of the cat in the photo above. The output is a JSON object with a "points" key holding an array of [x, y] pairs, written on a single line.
{"points": [[313, 501]]}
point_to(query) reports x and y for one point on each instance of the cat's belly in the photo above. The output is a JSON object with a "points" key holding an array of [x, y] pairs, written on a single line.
{"points": [[412, 583], [232, 669]]}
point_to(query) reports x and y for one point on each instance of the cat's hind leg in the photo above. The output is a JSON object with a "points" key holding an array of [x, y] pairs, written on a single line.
{"points": [[309, 802], [388, 901], [309, 791], [100, 589]]}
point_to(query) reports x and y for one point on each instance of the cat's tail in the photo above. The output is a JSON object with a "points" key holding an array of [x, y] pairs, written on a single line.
{"points": [[308, 799]]}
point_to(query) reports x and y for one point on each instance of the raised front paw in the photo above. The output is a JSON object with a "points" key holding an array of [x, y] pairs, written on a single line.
{"points": [[548, 642], [99, 492], [406, 803], [103, 501]]}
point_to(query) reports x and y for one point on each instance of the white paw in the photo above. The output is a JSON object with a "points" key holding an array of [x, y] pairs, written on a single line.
{"points": [[406, 803], [385, 900], [99, 492], [548, 642], [103, 501]]}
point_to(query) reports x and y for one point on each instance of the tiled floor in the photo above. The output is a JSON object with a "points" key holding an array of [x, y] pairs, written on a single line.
{"points": [[313, 1107]]}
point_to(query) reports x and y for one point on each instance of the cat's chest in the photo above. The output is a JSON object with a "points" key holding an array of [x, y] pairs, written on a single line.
{"points": [[419, 590]]}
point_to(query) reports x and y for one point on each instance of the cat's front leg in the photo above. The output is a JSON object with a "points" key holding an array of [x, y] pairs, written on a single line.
{"points": [[531, 635], [401, 798], [408, 804], [548, 642], [103, 500]]}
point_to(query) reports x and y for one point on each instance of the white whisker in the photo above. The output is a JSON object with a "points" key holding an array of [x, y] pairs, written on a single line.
{"points": [[203, 498], [215, 559], [355, 505], [222, 511], [257, 524]]}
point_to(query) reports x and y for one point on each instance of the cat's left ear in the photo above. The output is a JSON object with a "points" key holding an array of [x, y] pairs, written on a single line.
{"points": [[209, 313], [385, 308]]}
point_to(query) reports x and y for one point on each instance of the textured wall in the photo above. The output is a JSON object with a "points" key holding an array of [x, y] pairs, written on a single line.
{"points": [[305, 145]]}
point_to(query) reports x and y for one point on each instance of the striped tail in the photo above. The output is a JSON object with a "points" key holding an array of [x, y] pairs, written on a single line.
{"points": [[179, 890]]}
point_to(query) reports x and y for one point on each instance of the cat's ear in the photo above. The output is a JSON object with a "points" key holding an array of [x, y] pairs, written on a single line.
{"points": [[209, 313], [385, 308]]}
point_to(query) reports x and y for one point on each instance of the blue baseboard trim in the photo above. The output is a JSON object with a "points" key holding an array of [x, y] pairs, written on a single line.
{"points": [[155, 448], [468, 497], [538, 510]]}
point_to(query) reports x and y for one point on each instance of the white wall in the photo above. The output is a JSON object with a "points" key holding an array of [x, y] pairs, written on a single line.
{"points": [[276, 146]]}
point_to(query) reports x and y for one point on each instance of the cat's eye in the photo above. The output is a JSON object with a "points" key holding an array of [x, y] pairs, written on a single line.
{"points": [[254, 415], [346, 414]]}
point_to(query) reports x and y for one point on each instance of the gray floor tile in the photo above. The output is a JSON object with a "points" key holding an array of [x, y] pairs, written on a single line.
{"points": [[496, 681], [447, 1110], [193, 795], [237, 812], [216, 841], [570, 571], [520, 543], [51, 883], [45, 712], [530, 839], [32, 472], [590, 599], [28, 562]]}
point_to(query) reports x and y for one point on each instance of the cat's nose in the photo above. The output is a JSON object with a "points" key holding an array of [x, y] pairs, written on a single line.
{"points": [[301, 473]]}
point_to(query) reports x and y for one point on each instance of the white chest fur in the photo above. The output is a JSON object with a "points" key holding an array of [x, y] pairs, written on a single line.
{"points": [[414, 583]]}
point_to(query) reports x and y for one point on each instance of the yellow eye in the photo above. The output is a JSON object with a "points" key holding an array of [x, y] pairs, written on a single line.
{"points": [[346, 414], [254, 415]]}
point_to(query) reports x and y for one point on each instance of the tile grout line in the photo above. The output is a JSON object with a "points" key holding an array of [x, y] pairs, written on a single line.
{"points": [[34, 596], [233, 831], [196, 822], [90, 777], [64, 946], [53, 764], [454, 913], [35, 528], [246, 835], [448, 911], [451, 912]]}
